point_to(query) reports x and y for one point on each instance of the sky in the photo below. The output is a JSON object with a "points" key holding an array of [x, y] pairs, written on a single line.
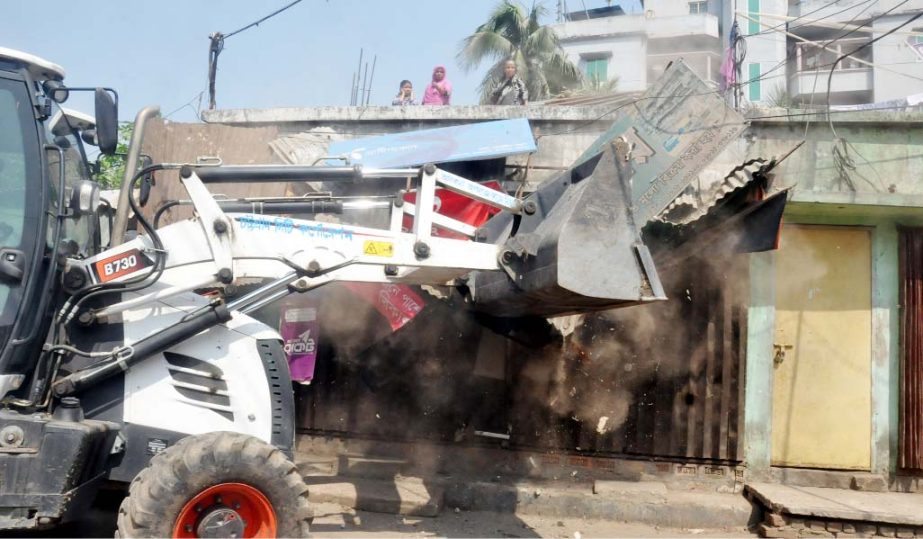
{"points": [[156, 52]]}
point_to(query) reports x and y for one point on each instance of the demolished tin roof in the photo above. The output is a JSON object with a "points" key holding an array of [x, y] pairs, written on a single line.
{"points": [[696, 201]]}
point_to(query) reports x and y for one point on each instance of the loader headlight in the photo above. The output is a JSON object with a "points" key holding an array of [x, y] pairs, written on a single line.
{"points": [[84, 197]]}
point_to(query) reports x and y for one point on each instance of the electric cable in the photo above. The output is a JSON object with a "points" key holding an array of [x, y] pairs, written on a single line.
{"points": [[129, 285], [864, 45], [807, 124], [809, 23], [216, 45]]}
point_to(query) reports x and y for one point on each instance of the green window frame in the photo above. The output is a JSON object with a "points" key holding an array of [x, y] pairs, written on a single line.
{"points": [[753, 24], [597, 69], [753, 74]]}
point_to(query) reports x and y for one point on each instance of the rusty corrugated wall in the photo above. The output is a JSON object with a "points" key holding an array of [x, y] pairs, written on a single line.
{"points": [[910, 451], [676, 365], [667, 377]]}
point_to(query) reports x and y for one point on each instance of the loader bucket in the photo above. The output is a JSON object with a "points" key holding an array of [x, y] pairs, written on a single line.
{"points": [[578, 251], [580, 248]]}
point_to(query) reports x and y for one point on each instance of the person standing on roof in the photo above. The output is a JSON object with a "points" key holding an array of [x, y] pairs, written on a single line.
{"points": [[405, 95], [511, 90], [439, 90]]}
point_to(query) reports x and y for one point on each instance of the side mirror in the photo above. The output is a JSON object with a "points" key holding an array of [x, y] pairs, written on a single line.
{"points": [[107, 122]]}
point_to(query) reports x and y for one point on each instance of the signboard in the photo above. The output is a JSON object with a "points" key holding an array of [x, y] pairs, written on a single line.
{"points": [[484, 140], [299, 329], [677, 127]]}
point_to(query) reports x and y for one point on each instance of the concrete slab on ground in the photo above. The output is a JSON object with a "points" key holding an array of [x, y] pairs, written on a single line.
{"points": [[879, 507], [399, 495]]}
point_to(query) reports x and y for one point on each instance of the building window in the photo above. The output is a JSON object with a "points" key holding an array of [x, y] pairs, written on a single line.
{"points": [[753, 23], [597, 69], [754, 82], [814, 58], [698, 7], [916, 44]]}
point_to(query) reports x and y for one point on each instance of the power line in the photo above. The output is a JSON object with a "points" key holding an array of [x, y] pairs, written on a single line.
{"points": [[257, 22], [826, 46], [788, 22], [864, 45], [842, 161], [216, 45]]}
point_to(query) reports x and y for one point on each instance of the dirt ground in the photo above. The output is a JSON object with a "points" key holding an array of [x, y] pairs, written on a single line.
{"points": [[336, 521]]}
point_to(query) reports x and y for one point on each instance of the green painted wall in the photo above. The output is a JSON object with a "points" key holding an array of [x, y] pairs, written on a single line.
{"points": [[885, 330]]}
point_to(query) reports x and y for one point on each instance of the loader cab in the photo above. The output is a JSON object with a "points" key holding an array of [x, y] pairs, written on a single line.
{"points": [[42, 218]]}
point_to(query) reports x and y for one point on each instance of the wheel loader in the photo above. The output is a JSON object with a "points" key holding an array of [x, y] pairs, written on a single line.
{"points": [[124, 362]]}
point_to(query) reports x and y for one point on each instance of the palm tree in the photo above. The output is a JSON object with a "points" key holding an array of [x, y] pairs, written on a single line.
{"points": [[512, 33]]}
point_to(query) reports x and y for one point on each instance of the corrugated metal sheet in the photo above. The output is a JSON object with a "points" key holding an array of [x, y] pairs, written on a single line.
{"points": [[910, 450], [703, 195], [676, 377], [676, 368]]}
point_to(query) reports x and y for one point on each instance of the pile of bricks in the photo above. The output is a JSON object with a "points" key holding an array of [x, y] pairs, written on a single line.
{"points": [[776, 525]]}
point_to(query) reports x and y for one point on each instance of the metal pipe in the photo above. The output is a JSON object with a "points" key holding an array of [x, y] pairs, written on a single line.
{"points": [[192, 324], [117, 236], [368, 94], [257, 305], [281, 173], [269, 288]]}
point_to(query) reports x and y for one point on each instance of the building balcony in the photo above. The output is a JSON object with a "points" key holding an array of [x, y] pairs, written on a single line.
{"points": [[699, 24], [845, 81], [840, 11]]}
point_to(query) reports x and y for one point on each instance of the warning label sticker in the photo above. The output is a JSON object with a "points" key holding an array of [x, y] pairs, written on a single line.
{"points": [[378, 248]]}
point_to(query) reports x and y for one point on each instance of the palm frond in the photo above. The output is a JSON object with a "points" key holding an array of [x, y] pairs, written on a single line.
{"points": [[512, 32], [536, 14], [557, 62], [506, 20], [542, 41], [482, 46]]}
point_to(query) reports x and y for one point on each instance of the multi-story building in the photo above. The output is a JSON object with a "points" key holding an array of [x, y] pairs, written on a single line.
{"points": [[607, 43], [789, 46]]}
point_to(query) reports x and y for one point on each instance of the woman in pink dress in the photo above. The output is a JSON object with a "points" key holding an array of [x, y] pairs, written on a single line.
{"points": [[439, 90]]}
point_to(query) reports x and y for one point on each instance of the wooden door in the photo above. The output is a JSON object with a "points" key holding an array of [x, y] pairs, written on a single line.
{"points": [[821, 415]]}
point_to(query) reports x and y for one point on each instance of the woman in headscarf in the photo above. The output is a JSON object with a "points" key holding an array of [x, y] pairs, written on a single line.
{"points": [[439, 90], [511, 90]]}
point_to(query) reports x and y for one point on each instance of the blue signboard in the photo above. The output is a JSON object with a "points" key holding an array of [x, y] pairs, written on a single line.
{"points": [[484, 140]]}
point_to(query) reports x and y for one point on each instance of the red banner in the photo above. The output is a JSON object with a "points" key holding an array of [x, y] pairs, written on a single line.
{"points": [[458, 207], [398, 303]]}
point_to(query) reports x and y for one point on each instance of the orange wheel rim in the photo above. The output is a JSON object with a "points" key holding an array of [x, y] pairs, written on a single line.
{"points": [[234, 506]]}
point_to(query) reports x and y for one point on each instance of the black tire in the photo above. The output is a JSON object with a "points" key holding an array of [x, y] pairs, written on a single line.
{"points": [[158, 494]]}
